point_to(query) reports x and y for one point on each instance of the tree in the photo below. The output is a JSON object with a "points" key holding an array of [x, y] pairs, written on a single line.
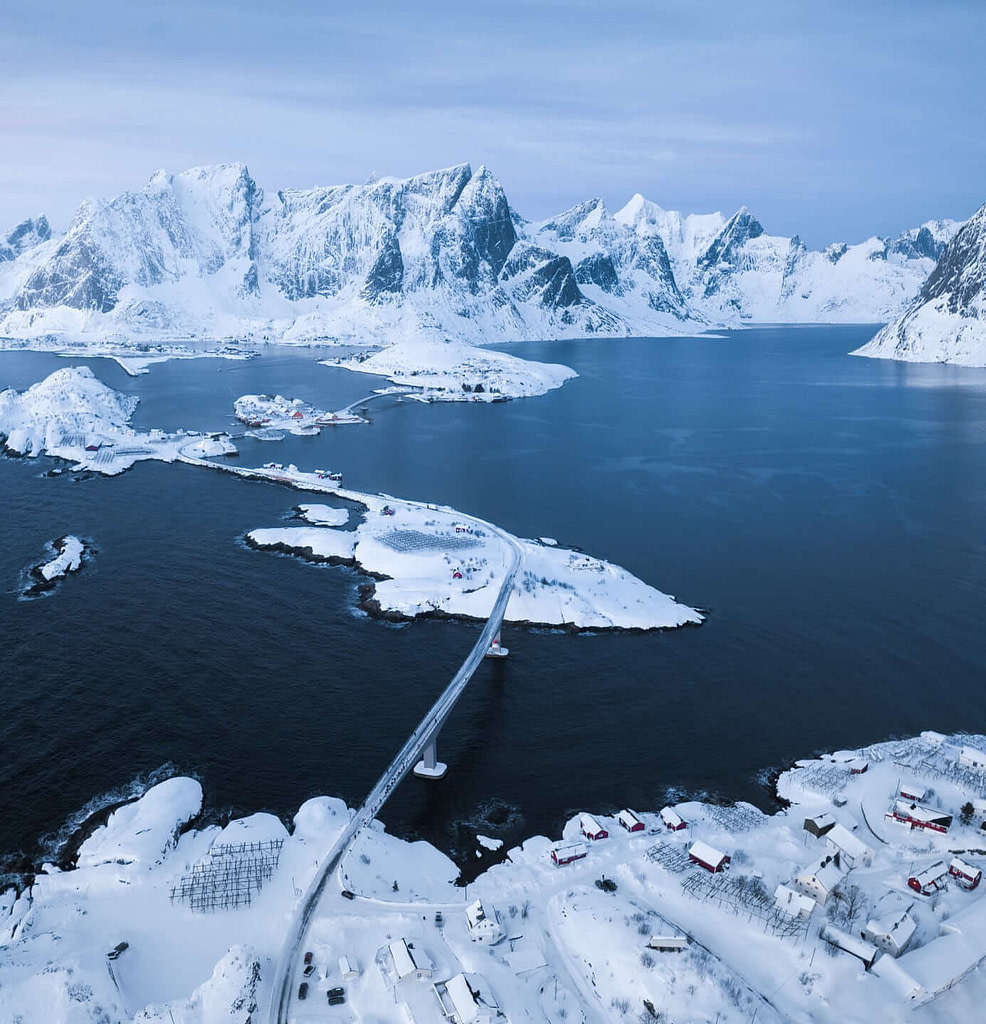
{"points": [[853, 900], [966, 811]]}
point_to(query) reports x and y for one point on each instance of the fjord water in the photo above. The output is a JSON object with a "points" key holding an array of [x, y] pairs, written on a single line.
{"points": [[827, 511]]}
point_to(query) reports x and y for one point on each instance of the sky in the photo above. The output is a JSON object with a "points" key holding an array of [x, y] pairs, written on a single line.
{"points": [[834, 120]]}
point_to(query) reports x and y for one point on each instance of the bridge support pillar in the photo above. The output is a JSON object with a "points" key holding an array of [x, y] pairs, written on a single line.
{"points": [[429, 767], [495, 650]]}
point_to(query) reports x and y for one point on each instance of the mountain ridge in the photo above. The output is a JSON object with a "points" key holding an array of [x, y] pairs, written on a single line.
{"points": [[209, 253]]}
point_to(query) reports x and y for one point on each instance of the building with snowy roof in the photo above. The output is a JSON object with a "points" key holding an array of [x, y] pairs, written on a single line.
{"points": [[851, 849], [892, 933], [860, 948], [913, 792], [483, 923], [630, 821], [965, 874], [970, 757], [819, 824], [708, 857], [820, 880], [673, 821], [404, 961], [933, 879], [917, 816], [467, 999], [591, 828], [565, 853], [793, 903]]}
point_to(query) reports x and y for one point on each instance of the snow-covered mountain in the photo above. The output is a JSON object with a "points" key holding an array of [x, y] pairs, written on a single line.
{"points": [[947, 323], [731, 270], [208, 254]]}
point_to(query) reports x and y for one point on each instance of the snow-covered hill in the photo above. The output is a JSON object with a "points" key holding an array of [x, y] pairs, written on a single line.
{"points": [[69, 402], [947, 323], [207, 255]]}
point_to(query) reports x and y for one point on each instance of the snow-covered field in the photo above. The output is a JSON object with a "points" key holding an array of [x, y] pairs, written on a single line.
{"points": [[573, 950]]}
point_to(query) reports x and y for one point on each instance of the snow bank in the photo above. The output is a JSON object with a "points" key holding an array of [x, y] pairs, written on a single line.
{"points": [[324, 515], [313, 543]]}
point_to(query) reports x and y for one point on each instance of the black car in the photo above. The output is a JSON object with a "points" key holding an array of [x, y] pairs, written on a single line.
{"points": [[333, 992], [303, 990], [336, 1000], [348, 895]]}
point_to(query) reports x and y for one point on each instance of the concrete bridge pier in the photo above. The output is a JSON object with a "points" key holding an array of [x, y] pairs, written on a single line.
{"points": [[429, 767], [495, 650]]}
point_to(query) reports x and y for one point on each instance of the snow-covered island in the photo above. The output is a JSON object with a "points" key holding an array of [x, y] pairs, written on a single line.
{"points": [[275, 412], [450, 371], [67, 554], [430, 560], [861, 900]]}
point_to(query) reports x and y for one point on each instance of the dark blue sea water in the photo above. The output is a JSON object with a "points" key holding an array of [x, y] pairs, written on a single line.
{"points": [[828, 511]]}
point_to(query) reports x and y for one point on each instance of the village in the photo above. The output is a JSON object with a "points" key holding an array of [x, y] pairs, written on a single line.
{"points": [[271, 413], [860, 901]]}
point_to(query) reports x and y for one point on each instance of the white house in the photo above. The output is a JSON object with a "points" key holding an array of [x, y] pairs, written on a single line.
{"points": [[970, 757], [820, 880], [891, 933], [348, 967], [668, 943], [467, 999], [851, 849], [406, 961], [483, 924], [793, 903]]}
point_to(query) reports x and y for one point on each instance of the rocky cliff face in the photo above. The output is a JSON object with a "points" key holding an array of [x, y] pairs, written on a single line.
{"points": [[947, 322], [25, 236]]}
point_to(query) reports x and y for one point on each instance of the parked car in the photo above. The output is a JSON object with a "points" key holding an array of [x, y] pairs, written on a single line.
{"points": [[337, 991], [308, 958], [309, 970], [336, 1000], [303, 990], [348, 895]]}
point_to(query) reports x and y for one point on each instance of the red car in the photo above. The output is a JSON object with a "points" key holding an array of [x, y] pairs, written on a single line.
{"points": [[308, 958]]}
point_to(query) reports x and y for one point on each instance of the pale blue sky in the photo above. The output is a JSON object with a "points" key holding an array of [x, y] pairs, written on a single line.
{"points": [[834, 119]]}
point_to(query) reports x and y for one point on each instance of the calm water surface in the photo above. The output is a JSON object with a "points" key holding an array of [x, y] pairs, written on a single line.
{"points": [[828, 512]]}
